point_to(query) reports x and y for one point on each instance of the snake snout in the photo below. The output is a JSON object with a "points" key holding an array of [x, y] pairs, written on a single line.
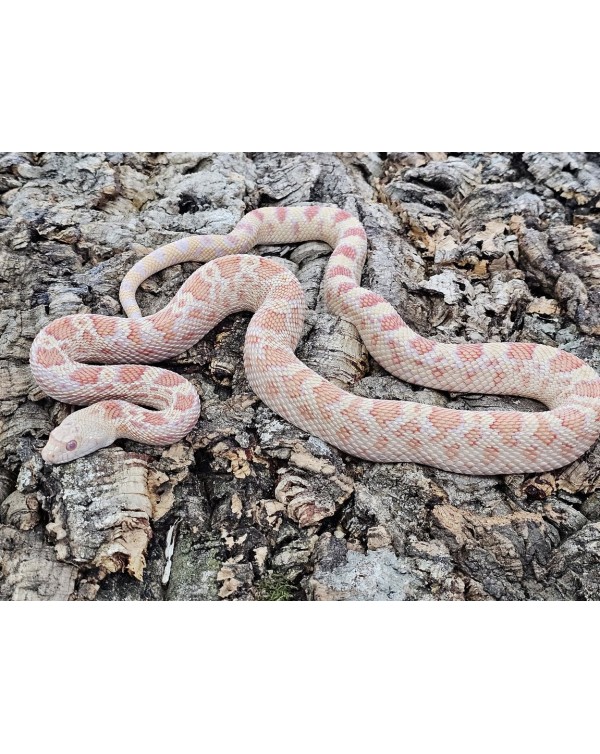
{"points": [[54, 451], [48, 454]]}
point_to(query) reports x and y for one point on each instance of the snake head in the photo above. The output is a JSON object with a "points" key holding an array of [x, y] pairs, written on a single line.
{"points": [[81, 433]]}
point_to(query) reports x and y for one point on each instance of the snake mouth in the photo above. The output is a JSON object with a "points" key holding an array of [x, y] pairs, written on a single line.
{"points": [[53, 453]]}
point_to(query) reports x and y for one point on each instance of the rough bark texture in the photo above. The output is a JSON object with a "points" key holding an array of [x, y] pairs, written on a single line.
{"points": [[468, 247]]}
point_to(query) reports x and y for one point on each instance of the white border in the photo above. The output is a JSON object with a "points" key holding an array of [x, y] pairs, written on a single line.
{"points": [[314, 76]]}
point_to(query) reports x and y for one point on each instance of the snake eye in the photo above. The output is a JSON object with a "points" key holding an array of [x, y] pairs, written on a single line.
{"points": [[71, 445]]}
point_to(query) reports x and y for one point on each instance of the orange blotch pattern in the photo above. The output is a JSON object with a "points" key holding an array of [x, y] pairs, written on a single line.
{"points": [[325, 396], [113, 410], [168, 379], [452, 450], [229, 267], [130, 374], [444, 419], [347, 251], [546, 437], [521, 351], [62, 329], [588, 389], [341, 216], [184, 402], [369, 299], [105, 325], [507, 424], [86, 375], [344, 288], [470, 352], [532, 455], [572, 419], [421, 345], [473, 437], [50, 357], [339, 270], [134, 336], [354, 232], [382, 414], [355, 420], [306, 413], [564, 362], [278, 357], [391, 322], [381, 443], [344, 434], [165, 325], [411, 427], [155, 419], [277, 322], [490, 454]]}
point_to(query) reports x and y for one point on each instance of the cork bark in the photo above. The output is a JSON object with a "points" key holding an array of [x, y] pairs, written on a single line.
{"points": [[469, 247]]}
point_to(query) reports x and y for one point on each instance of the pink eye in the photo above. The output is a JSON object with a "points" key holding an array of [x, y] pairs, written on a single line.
{"points": [[71, 445]]}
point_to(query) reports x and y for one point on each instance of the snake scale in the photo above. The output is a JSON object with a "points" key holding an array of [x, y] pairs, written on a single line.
{"points": [[103, 361]]}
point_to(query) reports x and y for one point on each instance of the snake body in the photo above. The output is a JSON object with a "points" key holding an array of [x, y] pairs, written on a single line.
{"points": [[103, 361]]}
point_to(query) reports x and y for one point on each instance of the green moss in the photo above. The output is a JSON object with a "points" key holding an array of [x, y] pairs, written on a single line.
{"points": [[211, 563], [275, 587]]}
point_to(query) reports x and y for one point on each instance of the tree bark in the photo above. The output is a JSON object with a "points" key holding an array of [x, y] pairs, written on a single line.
{"points": [[469, 247]]}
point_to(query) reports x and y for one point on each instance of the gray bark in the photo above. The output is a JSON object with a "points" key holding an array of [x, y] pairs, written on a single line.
{"points": [[468, 247]]}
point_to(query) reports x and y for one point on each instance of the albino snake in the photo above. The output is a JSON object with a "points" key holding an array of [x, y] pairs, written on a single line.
{"points": [[478, 442]]}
